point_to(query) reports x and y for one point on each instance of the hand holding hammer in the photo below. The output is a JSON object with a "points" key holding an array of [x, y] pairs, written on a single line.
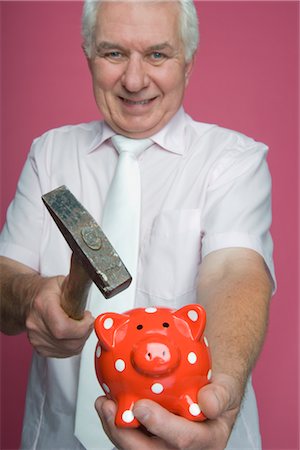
{"points": [[93, 259]]}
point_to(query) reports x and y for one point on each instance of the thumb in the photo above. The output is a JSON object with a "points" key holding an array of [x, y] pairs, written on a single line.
{"points": [[88, 318], [222, 395], [88, 321]]}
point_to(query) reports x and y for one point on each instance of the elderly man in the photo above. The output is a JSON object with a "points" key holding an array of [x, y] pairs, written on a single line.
{"points": [[204, 235]]}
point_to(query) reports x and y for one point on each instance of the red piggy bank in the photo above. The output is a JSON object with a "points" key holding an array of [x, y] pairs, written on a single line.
{"points": [[155, 353]]}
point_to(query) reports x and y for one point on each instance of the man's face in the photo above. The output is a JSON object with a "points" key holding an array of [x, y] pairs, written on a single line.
{"points": [[139, 70]]}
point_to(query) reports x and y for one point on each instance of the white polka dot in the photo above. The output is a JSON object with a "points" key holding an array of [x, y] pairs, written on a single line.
{"points": [[120, 365], [209, 374], [108, 323], [157, 388], [206, 341], [192, 358], [127, 416], [98, 351], [194, 409], [105, 387], [193, 315], [150, 310]]}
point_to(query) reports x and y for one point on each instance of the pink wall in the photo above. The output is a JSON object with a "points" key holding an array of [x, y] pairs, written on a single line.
{"points": [[246, 79]]}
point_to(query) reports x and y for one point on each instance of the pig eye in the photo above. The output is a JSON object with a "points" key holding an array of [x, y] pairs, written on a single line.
{"points": [[139, 327], [166, 324]]}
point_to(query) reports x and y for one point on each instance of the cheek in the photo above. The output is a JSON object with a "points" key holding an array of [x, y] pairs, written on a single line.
{"points": [[172, 82], [104, 78]]}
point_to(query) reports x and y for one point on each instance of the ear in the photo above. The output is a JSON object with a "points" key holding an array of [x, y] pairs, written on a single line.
{"points": [[89, 63], [188, 70], [195, 317], [88, 59], [106, 326]]}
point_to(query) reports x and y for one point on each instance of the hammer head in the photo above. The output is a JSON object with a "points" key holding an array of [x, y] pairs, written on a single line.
{"points": [[88, 242]]}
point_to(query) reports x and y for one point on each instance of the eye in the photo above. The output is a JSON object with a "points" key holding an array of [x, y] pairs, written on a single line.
{"points": [[111, 55], [114, 55], [166, 324], [157, 57], [139, 327]]}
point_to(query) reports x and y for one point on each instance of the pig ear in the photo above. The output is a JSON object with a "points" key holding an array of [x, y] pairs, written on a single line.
{"points": [[195, 317], [106, 325]]}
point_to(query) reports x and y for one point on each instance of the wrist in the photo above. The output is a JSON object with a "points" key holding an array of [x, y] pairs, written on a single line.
{"points": [[24, 290]]}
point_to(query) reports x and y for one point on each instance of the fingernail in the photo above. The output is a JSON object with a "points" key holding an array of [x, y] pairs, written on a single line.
{"points": [[141, 413]]}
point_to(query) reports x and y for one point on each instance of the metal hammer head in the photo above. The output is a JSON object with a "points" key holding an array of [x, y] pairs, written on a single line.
{"points": [[88, 242]]}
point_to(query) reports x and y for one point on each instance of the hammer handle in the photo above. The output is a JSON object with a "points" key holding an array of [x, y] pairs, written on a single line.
{"points": [[75, 290]]}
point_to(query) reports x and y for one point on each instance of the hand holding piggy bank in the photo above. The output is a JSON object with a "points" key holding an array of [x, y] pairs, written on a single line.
{"points": [[155, 353]]}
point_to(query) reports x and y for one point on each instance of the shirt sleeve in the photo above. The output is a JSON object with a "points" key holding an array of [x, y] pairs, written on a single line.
{"points": [[238, 204], [21, 235]]}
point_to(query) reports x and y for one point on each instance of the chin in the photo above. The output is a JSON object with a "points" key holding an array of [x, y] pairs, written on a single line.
{"points": [[136, 131]]}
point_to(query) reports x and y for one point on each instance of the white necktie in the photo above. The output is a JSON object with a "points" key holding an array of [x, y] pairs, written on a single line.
{"points": [[120, 223]]}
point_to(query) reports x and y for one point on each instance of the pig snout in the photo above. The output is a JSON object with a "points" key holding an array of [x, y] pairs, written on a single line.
{"points": [[155, 356]]}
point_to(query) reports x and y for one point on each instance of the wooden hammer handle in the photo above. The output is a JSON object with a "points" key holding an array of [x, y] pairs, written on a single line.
{"points": [[75, 290]]}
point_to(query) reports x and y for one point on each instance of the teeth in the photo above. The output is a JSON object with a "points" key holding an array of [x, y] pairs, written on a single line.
{"points": [[131, 102]]}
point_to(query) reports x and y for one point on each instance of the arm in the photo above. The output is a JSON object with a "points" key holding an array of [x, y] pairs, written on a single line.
{"points": [[18, 284], [235, 288], [30, 302]]}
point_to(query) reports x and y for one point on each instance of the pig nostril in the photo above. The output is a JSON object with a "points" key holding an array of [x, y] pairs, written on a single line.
{"points": [[139, 327], [166, 324]]}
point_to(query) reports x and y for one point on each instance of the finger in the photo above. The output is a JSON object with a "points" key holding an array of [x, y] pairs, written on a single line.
{"points": [[61, 325], [54, 322], [47, 306], [219, 396], [124, 439], [106, 410], [65, 338], [70, 328], [176, 431]]}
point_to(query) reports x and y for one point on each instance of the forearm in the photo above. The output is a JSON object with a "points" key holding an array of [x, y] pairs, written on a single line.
{"points": [[236, 299], [18, 284], [32, 302]]}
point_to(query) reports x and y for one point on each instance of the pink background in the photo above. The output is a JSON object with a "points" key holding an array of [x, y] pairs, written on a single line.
{"points": [[246, 79]]}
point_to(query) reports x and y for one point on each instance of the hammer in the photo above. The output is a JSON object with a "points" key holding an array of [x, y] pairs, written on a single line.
{"points": [[93, 259]]}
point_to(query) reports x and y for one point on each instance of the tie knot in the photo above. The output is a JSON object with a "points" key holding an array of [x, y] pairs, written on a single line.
{"points": [[133, 146]]}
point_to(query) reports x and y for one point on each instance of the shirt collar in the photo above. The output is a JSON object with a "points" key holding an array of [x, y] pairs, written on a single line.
{"points": [[171, 137], [104, 134]]}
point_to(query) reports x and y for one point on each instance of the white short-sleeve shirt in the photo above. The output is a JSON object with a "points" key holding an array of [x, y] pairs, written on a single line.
{"points": [[203, 188]]}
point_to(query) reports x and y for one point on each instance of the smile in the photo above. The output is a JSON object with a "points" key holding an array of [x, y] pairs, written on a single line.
{"points": [[137, 102]]}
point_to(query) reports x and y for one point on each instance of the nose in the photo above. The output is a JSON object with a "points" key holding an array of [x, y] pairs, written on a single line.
{"points": [[155, 356], [135, 77]]}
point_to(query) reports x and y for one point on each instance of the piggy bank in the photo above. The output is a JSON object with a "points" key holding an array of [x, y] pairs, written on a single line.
{"points": [[154, 353]]}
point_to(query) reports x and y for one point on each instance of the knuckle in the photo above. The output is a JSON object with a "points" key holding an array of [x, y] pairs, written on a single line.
{"points": [[73, 347], [58, 332], [29, 324], [76, 350], [184, 441], [40, 351], [37, 304]]}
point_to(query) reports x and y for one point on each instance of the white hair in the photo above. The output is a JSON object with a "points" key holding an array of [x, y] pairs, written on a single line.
{"points": [[188, 26]]}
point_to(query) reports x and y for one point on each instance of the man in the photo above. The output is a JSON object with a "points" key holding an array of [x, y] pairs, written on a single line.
{"points": [[204, 233]]}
